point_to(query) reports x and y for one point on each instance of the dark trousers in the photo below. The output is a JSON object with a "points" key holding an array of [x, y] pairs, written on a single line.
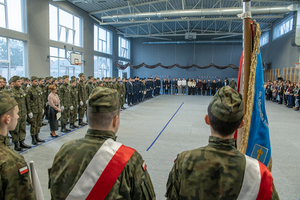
{"points": [[129, 98], [52, 119], [213, 92], [208, 91], [291, 101]]}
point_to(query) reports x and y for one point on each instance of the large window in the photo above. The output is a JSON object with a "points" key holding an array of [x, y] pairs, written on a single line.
{"points": [[283, 27], [264, 39], [64, 26], [60, 65], [102, 67], [102, 40], [12, 15], [12, 57], [123, 73], [124, 48]]}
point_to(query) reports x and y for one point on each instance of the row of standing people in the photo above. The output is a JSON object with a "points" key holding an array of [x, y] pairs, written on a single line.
{"points": [[194, 87]]}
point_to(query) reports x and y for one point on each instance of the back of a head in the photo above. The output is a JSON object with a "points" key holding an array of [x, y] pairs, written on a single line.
{"points": [[103, 106], [226, 111]]}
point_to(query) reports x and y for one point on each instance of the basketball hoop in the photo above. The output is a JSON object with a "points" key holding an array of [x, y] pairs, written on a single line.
{"points": [[78, 63]]}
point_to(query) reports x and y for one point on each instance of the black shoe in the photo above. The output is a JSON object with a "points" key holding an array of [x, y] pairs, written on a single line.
{"points": [[38, 139], [17, 146], [72, 126], [123, 108], [63, 129], [23, 145], [54, 135], [34, 142], [81, 123]]}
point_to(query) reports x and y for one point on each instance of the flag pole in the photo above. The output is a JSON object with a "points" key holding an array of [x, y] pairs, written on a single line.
{"points": [[247, 49]]}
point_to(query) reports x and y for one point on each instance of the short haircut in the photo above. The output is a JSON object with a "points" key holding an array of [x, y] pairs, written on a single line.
{"points": [[9, 112], [223, 128], [101, 121]]}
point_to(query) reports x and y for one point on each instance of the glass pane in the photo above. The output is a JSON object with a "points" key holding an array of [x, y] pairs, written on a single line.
{"points": [[104, 47], [3, 49], [78, 31], [95, 38], [53, 27], [53, 67], [4, 70], [70, 37], [1, 1], [65, 19], [109, 42], [102, 34], [17, 54], [2, 16], [53, 51], [14, 12], [62, 53], [78, 70], [100, 46], [62, 36]]}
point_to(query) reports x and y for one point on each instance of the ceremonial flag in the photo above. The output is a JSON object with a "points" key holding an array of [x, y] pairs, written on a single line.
{"points": [[36, 183], [259, 146]]}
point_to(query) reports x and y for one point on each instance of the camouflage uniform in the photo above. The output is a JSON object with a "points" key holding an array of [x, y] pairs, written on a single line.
{"points": [[134, 181], [217, 170], [81, 97], [74, 103], [232, 84], [18, 135], [35, 102], [123, 95], [89, 88], [65, 101]]}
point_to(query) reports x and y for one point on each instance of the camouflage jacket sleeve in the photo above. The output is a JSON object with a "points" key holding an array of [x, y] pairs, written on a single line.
{"points": [[28, 96], [13, 185], [80, 92], [173, 183]]}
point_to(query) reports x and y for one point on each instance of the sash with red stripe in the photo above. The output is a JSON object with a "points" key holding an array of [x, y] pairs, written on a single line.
{"points": [[102, 172], [257, 183]]}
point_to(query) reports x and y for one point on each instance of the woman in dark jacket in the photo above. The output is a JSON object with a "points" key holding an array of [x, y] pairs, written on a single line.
{"points": [[290, 95], [214, 87], [204, 87], [54, 108]]}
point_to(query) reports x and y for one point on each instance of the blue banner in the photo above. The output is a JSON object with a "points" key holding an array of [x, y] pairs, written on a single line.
{"points": [[259, 145]]}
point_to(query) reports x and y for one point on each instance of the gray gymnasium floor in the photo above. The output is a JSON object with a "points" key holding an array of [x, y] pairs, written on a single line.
{"points": [[143, 123]]}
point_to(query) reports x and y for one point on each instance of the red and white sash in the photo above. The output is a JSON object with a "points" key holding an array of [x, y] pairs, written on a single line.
{"points": [[257, 183], [102, 172]]}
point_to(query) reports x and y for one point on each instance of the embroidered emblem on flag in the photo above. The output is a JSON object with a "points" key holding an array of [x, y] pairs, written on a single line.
{"points": [[23, 170], [259, 153]]}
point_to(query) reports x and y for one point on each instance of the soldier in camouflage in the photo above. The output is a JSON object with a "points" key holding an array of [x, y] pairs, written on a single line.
{"points": [[132, 181], [121, 89], [15, 183], [89, 86], [60, 82], [18, 135], [217, 170], [74, 104], [35, 109], [81, 99], [65, 102], [26, 84]]}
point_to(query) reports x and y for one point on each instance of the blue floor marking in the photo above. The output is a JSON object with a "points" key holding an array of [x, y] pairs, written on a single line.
{"points": [[164, 127]]}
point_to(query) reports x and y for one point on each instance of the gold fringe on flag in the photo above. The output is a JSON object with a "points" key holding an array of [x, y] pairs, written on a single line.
{"points": [[251, 88]]}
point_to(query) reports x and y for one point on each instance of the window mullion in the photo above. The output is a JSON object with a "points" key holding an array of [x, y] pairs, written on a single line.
{"points": [[58, 26], [6, 14], [8, 54]]}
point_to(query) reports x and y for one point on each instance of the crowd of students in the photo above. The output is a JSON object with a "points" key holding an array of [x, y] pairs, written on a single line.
{"points": [[283, 92]]}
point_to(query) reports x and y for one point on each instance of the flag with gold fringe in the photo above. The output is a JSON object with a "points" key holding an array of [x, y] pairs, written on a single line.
{"points": [[255, 138]]}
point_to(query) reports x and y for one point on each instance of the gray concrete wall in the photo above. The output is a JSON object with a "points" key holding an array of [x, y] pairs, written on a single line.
{"points": [[199, 54]]}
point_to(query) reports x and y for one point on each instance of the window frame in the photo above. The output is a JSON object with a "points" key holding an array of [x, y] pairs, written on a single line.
{"points": [[280, 25], [109, 73], [108, 43], [127, 49], [263, 37], [59, 27]]}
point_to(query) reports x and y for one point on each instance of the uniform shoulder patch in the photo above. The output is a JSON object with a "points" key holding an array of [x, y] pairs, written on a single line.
{"points": [[144, 166], [23, 170]]}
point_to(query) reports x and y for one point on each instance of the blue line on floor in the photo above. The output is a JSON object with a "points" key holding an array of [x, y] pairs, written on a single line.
{"points": [[53, 138], [165, 127]]}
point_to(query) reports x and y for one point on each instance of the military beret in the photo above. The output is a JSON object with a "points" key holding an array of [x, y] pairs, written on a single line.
{"points": [[113, 77], [98, 78], [7, 101], [34, 78], [90, 77], [59, 78], [65, 76], [227, 105], [50, 77], [9, 82], [54, 79], [4, 79], [100, 82], [73, 77], [103, 78], [103, 100], [72, 81], [81, 74], [26, 79], [15, 78], [77, 79], [118, 77], [40, 79]]}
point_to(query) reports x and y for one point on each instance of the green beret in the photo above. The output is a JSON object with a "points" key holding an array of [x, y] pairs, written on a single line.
{"points": [[72, 81], [113, 78], [7, 101], [73, 77], [34, 78], [15, 78], [103, 78], [65, 76], [98, 78], [100, 82], [118, 77], [50, 77], [77, 79], [123, 78], [103, 100], [4, 79], [26, 79], [81, 74], [41, 79], [90, 77], [9, 82], [59, 78], [227, 105], [54, 79]]}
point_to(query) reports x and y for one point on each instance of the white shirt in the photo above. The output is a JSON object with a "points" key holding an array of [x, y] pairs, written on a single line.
{"points": [[183, 82], [179, 83]]}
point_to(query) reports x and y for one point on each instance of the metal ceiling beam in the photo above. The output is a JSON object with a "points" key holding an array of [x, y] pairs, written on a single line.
{"points": [[205, 12], [178, 34], [143, 22]]}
